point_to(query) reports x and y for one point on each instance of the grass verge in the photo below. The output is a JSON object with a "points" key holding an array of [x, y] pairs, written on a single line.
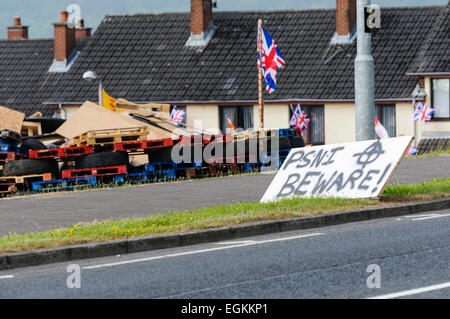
{"points": [[216, 216]]}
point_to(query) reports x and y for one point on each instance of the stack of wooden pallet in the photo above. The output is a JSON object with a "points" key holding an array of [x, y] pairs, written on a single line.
{"points": [[111, 136]]}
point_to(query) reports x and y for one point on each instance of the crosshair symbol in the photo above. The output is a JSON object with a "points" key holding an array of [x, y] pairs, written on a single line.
{"points": [[370, 154]]}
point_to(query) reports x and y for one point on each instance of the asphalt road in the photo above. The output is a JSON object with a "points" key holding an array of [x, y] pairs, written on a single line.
{"points": [[411, 254], [44, 212]]}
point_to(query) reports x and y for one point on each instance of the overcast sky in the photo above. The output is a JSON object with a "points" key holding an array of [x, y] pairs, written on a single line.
{"points": [[40, 14]]}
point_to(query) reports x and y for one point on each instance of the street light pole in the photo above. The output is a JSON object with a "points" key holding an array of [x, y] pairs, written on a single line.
{"points": [[364, 79], [100, 92], [92, 76]]}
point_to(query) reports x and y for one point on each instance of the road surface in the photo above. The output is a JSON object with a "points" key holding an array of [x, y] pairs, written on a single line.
{"points": [[411, 255], [45, 212]]}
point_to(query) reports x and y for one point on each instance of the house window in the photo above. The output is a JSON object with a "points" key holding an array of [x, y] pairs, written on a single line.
{"points": [[180, 107], [315, 133], [386, 115], [441, 98], [240, 116]]}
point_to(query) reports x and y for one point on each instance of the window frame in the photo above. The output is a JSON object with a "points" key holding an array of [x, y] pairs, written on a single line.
{"points": [[239, 120], [433, 118], [379, 113], [307, 109]]}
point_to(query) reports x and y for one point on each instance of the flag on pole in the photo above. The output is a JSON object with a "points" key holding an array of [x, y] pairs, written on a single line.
{"points": [[270, 60], [110, 103], [230, 123], [380, 130], [177, 116], [411, 151], [423, 113], [300, 119]]}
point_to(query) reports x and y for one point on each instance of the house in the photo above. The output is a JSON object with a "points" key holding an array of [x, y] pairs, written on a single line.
{"points": [[205, 62]]}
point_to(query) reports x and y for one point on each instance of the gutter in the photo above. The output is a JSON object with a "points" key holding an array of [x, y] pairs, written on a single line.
{"points": [[248, 102]]}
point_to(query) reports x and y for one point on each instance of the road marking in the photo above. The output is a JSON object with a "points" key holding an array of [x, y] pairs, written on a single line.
{"points": [[7, 277], [426, 216], [242, 244], [413, 291]]}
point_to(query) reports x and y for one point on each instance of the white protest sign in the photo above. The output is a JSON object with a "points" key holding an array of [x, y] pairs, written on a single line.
{"points": [[350, 170]]}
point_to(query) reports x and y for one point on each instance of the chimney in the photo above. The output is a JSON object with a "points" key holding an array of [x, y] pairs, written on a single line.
{"points": [[64, 45], [345, 16], [17, 31], [202, 28], [81, 32]]}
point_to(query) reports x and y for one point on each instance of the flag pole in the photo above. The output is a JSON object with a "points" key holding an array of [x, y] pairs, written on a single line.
{"points": [[260, 77]]}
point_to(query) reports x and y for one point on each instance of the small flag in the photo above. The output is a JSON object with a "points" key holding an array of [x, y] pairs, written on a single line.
{"points": [[270, 60], [230, 123], [380, 130], [423, 113], [110, 103], [177, 116], [300, 119], [411, 151]]}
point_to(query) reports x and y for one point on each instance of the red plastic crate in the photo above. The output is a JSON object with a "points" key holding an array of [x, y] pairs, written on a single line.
{"points": [[143, 145], [61, 152], [10, 156], [99, 171]]}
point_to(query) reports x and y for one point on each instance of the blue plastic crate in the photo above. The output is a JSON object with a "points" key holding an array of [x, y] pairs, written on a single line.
{"points": [[65, 184]]}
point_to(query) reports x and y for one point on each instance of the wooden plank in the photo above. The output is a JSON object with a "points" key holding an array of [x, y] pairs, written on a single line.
{"points": [[28, 178], [10, 119]]}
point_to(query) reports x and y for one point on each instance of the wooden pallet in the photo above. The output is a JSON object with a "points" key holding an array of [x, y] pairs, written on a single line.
{"points": [[104, 137], [27, 179]]}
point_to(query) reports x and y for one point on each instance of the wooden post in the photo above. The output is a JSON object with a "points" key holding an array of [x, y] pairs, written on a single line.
{"points": [[260, 77]]}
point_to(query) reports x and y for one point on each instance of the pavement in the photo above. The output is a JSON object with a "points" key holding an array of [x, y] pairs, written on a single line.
{"points": [[44, 212], [400, 257]]}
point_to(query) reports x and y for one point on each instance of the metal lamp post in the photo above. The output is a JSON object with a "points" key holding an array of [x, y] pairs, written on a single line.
{"points": [[364, 79], [93, 76]]}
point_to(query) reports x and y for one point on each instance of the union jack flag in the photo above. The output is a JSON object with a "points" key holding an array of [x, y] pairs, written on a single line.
{"points": [[270, 60], [411, 151], [300, 119], [177, 116], [423, 113]]}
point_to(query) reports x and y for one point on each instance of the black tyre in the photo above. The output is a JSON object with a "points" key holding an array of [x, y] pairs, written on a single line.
{"points": [[33, 144], [102, 160], [30, 167], [160, 155], [296, 141]]}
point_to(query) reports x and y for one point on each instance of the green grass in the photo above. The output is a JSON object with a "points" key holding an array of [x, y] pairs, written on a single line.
{"points": [[216, 216], [433, 153]]}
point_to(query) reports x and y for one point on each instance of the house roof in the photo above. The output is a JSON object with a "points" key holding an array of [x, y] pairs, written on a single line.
{"points": [[143, 58], [24, 77], [434, 54]]}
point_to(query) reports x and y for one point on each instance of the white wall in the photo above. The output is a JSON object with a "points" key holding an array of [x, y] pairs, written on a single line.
{"points": [[339, 123]]}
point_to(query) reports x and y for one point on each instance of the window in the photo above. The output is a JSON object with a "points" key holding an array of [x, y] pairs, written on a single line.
{"points": [[315, 133], [441, 98], [240, 116], [386, 115]]}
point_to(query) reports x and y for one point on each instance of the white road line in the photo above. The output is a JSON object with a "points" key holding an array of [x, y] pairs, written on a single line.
{"points": [[7, 277], [413, 291], [194, 252], [426, 216], [431, 217]]}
